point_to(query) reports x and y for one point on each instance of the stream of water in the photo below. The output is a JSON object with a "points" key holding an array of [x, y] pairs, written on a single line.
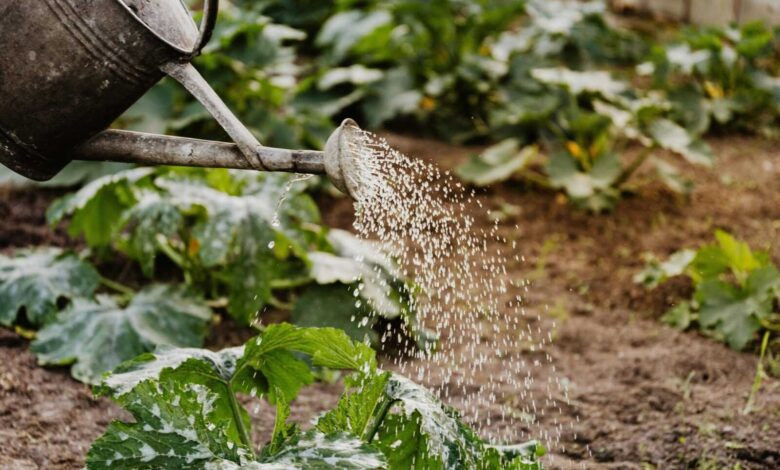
{"points": [[490, 350]]}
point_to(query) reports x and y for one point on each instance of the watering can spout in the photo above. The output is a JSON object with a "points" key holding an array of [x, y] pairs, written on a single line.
{"points": [[338, 161], [59, 91]]}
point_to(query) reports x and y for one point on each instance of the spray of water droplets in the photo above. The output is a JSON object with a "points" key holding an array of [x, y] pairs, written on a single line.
{"points": [[425, 219]]}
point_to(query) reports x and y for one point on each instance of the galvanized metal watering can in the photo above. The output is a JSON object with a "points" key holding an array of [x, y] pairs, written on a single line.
{"points": [[69, 68]]}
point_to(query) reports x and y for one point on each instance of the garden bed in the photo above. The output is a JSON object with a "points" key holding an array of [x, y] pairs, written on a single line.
{"points": [[640, 392]]}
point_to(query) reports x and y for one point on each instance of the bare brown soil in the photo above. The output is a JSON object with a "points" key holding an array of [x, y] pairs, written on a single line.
{"points": [[641, 395]]}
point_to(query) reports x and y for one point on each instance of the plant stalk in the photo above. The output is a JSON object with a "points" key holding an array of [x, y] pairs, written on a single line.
{"points": [[632, 167], [376, 421], [536, 179], [759, 377], [235, 408], [121, 288]]}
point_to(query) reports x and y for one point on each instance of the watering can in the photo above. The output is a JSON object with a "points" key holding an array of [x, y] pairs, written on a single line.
{"points": [[69, 68]]}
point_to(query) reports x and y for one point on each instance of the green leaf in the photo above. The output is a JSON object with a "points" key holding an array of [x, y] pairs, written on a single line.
{"points": [[282, 431], [314, 451], [359, 411], [355, 74], [656, 273], [411, 426], [675, 138], [439, 424], [729, 254], [96, 336], [233, 235], [334, 306], [592, 190], [741, 259], [375, 280], [96, 209], [394, 95], [710, 262], [692, 109], [679, 317], [497, 163], [151, 217], [596, 82], [276, 369], [734, 313], [361, 263], [183, 401], [343, 30], [187, 364], [671, 177], [179, 424], [33, 281], [407, 447], [687, 59]]}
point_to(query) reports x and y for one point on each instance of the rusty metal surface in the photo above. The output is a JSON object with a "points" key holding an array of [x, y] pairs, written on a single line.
{"points": [[69, 68], [200, 89], [150, 149]]}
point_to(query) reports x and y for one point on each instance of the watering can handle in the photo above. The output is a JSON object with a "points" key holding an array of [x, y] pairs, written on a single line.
{"points": [[207, 22]]}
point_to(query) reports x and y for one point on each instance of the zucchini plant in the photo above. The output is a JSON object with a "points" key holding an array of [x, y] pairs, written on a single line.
{"points": [[253, 240], [186, 413], [55, 291], [590, 121], [736, 290], [238, 241], [722, 78]]}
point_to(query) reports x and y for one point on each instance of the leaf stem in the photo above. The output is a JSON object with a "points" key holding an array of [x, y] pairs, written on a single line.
{"points": [[276, 303], [171, 253], [759, 377], [235, 408], [632, 167], [536, 179], [376, 422], [291, 283], [121, 288]]}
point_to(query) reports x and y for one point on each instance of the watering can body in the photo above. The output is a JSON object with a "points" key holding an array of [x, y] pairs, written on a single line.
{"points": [[69, 68]]}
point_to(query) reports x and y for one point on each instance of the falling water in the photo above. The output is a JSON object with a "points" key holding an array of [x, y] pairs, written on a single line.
{"points": [[422, 217]]}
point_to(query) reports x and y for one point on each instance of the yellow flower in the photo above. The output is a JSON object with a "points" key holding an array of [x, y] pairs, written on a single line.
{"points": [[193, 247], [713, 90], [427, 103], [574, 149]]}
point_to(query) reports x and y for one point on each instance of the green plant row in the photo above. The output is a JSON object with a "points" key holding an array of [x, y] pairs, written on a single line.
{"points": [[711, 80], [238, 241]]}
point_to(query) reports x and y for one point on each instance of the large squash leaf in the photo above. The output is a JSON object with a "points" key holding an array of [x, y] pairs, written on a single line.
{"points": [[187, 415], [310, 451], [96, 209], [34, 281], [179, 424], [96, 336], [335, 306], [672, 136], [735, 312], [498, 163], [414, 429]]}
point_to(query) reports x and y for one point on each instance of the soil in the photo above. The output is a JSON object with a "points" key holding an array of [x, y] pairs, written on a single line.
{"points": [[641, 395]]}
